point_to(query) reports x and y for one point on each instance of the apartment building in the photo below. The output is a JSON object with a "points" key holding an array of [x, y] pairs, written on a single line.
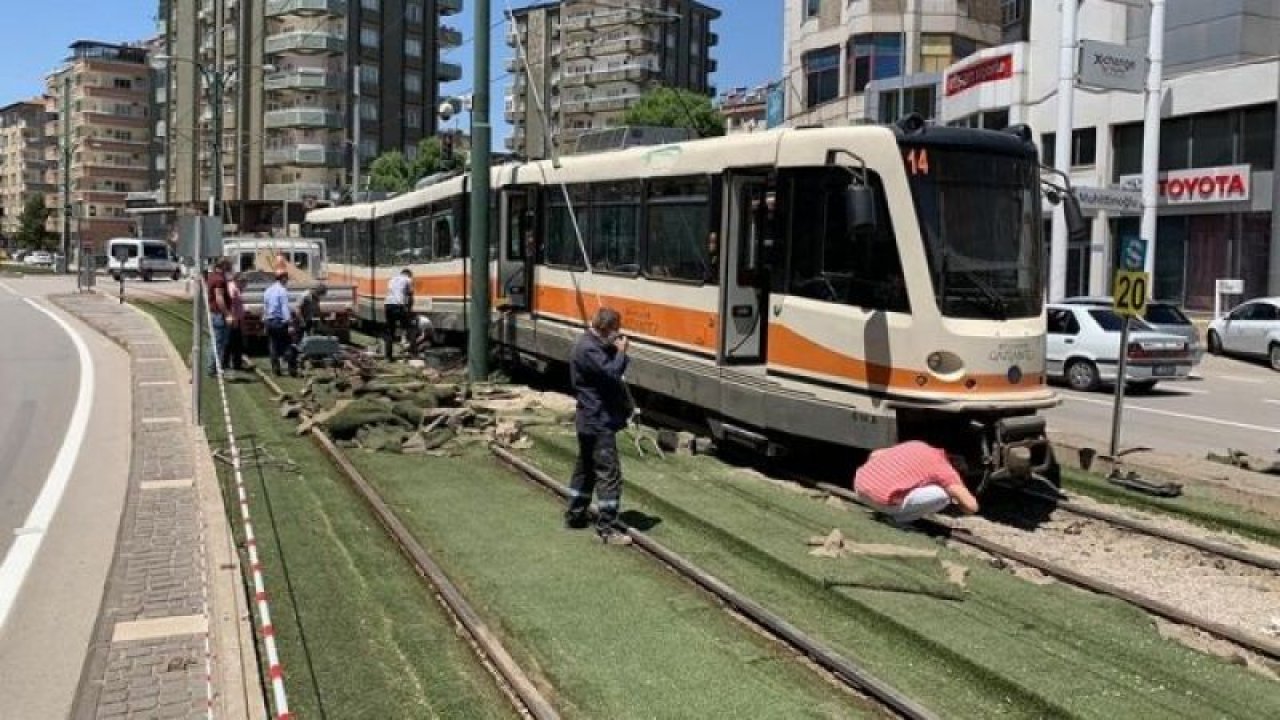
{"points": [[578, 65], [296, 75], [745, 109], [856, 61], [22, 162], [1219, 137], [100, 100]]}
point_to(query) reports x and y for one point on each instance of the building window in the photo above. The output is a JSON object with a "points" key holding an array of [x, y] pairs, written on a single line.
{"points": [[1084, 147], [1010, 12], [873, 56], [812, 8], [413, 11], [1126, 150], [1212, 139], [1257, 137], [413, 117], [369, 110], [369, 75], [369, 38], [413, 47], [123, 84], [368, 148], [413, 83], [822, 76], [371, 4]]}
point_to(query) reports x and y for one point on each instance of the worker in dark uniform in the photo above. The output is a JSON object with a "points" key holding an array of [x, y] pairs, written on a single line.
{"points": [[596, 366], [309, 309]]}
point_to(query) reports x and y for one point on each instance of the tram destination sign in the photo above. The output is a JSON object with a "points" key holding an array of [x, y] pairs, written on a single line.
{"points": [[1111, 66]]}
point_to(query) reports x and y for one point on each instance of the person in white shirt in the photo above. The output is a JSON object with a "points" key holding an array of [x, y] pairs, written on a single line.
{"points": [[398, 307]]}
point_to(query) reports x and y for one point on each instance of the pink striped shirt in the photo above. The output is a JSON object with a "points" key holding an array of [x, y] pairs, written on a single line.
{"points": [[890, 474]]}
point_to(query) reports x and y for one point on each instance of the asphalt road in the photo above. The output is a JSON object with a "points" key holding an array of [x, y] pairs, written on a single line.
{"points": [[61, 493], [1229, 403]]}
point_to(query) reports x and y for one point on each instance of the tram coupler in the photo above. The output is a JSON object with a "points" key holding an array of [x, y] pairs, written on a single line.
{"points": [[1016, 451]]}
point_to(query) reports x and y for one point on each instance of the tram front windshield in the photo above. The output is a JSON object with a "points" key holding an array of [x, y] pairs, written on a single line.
{"points": [[980, 217]]}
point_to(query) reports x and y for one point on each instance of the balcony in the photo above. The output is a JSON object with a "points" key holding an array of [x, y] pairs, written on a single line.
{"points": [[303, 118], [713, 39], [447, 37], [449, 72], [306, 42], [294, 192], [631, 73], [304, 155], [712, 65], [449, 7], [281, 8], [306, 79], [630, 45]]}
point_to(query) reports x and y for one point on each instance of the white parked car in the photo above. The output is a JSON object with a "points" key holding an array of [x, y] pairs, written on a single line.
{"points": [[1083, 349], [1251, 329], [39, 257]]}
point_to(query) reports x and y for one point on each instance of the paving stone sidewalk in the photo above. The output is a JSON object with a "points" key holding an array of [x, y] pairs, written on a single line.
{"points": [[161, 647]]}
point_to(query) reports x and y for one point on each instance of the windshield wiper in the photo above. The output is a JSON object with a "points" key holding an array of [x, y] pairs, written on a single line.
{"points": [[995, 301]]}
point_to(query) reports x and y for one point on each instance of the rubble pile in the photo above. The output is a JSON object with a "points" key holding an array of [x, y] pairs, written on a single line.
{"points": [[419, 409]]}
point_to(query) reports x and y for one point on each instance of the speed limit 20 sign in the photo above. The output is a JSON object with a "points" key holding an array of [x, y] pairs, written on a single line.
{"points": [[1130, 292]]}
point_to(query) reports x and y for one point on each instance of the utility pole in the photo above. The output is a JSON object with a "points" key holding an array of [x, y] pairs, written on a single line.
{"points": [[1062, 147], [478, 317], [1151, 136], [355, 132], [66, 172]]}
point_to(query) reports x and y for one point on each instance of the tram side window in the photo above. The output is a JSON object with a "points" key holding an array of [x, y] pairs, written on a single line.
{"points": [[827, 263], [444, 240], [421, 239], [561, 247], [386, 242], [678, 230], [615, 227]]}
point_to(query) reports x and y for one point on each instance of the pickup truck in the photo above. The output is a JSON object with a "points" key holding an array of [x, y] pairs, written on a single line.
{"points": [[304, 259]]}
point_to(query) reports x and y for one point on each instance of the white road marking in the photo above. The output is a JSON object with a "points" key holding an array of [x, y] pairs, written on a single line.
{"points": [[22, 554], [6, 286], [1183, 416], [1272, 402], [157, 383], [1179, 390], [1237, 378]]}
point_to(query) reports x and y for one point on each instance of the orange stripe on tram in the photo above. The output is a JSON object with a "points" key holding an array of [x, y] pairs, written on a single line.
{"points": [[669, 323]]}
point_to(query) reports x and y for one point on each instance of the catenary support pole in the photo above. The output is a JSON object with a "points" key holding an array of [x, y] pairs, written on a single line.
{"points": [[65, 118], [1151, 137], [478, 317], [1062, 147], [355, 133]]}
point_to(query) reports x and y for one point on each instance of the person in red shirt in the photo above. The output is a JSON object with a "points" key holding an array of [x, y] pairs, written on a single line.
{"points": [[911, 480]]}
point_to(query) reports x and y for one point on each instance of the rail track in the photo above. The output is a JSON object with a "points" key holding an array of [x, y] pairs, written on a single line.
{"points": [[846, 671], [1260, 645]]}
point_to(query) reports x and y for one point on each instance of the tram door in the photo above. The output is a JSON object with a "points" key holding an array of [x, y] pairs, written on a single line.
{"points": [[515, 262], [744, 279]]}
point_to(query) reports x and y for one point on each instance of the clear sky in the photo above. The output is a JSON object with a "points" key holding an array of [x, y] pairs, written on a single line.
{"points": [[36, 33]]}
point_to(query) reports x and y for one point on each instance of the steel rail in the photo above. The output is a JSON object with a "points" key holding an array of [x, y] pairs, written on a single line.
{"points": [[524, 690], [1174, 536], [845, 670], [1257, 644]]}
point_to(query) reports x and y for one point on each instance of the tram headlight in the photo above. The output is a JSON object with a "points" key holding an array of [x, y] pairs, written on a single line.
{"points": [[945, 365]]}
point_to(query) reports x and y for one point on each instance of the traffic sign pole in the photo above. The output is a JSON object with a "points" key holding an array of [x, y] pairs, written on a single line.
{"points": [[1117, 414]]}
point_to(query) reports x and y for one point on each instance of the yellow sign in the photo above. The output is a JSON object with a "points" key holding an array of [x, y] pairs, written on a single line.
{"points": [[1130, 292]]}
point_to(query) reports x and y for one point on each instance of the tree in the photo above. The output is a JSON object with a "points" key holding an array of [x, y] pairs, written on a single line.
{"points": [[676, 107], [31, 225], [393, 172]]}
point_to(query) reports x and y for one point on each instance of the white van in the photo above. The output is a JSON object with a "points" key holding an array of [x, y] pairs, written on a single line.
{"points": [[141, 257]]}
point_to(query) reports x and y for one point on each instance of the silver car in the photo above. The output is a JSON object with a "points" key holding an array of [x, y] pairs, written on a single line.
{"points": [[1083, 349], [1161, 315], [1252, 329]]}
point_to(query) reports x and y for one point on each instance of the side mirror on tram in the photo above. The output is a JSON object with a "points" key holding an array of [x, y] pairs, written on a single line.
{"points": [[860, 207], [1077, 226]]}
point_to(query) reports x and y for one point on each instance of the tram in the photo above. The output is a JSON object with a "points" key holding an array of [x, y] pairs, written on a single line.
{"points": [[857, 286]]}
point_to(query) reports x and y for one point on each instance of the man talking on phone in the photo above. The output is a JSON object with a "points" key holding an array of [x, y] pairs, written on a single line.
{"points": [[596, 367]]}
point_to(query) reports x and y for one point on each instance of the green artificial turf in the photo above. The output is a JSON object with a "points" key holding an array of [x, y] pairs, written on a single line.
{"points": [[1194, 505], [613, 634], [1009, 648], [360, 636]]}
